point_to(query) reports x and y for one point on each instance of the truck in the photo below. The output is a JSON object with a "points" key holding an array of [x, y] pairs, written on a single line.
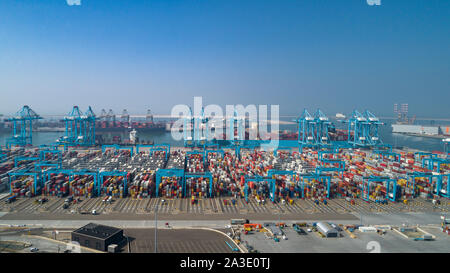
{"points": [[252, 226], [11, 199], [42, 200], [239, 221], [69, 199], [298, 229], [425, 237], [93, 212]]}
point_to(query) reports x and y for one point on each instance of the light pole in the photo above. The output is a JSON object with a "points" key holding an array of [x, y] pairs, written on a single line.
{"points": [[128, 243], [156, 227]]}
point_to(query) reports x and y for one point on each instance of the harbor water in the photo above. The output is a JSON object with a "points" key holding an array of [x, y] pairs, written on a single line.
{"points": [[394, 139]]}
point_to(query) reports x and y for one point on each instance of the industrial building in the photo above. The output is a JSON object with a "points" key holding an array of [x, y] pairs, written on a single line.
{"points": [[98, 237], [327, 230]]}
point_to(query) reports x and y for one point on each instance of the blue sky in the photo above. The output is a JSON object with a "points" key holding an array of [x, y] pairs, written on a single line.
{"points": [[336, 55]]}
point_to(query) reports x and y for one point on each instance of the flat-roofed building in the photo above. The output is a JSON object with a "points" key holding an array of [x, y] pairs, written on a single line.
{"points": [[97, 236]]}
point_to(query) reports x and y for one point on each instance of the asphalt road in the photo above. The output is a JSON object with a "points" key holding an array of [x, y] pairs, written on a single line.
{"points": [[366, 219]]}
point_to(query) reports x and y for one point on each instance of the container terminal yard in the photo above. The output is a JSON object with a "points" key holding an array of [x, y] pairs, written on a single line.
{"points": [[309, 179]]}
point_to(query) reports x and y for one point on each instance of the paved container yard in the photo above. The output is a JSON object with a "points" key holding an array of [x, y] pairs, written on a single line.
{"points": [[215, 208], [177, 241], [311, 242], [194, 188]]}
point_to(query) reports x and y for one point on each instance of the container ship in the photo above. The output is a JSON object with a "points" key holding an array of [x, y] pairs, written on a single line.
{"points": [[334, 135], [121, 139], [107, 122], [103, 126]]}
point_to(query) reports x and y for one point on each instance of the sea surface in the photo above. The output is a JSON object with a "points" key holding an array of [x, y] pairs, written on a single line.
{"points": [[385, 132]]}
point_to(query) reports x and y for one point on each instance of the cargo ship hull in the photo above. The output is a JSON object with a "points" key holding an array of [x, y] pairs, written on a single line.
{"points": [[126, 130], [420, 130]]}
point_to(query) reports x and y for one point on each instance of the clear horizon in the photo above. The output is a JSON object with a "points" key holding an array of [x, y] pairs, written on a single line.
{"points": [[333, 55]]}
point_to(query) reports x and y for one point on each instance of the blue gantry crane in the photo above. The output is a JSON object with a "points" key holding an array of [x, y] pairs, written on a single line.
{"points": [[37, 180], [248, 146], [179, 173], [411, 180], [80, 128], [160, 147], [389, 183], [385, 151], [238, 123], [306, 129], [39, 167], [116, 148], [152, 148], [22, 133], [434, 161], [139, 146], [372, 130], [273, 173], [339, 169], [24, 158], [260, 179], [357, 125], [443, 185], [90, 119], [317, 177], [43, 151], [363, 129], [300, 185], [188, 130], [323, 125], [217, 151], [212, 151], [71, 173], [313, 130], [195, 129], [388, 154], [101, 176], [207, 175], [196, 152], [73, 127]]}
